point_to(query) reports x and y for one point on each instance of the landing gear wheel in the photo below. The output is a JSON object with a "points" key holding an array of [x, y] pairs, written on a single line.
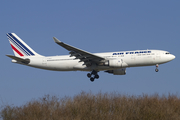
{"points": [[92, 79], [156, 70], [88, 75], [96, 76]]}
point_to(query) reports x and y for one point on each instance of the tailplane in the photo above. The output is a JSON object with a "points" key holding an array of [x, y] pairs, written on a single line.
{"points": [[20, 48]]}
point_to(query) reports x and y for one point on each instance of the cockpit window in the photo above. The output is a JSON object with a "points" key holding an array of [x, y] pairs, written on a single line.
{"points": [[167, 53]]}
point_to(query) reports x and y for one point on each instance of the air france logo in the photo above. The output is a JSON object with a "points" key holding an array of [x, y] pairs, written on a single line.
{"points": [[137, 52]]}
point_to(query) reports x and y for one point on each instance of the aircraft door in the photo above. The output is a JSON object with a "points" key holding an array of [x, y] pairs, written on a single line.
{"points": [[44, 62], [123, 63], [158, 56], [133, 57]]}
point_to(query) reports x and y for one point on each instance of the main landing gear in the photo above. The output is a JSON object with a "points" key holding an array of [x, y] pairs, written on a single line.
{"points": [[157, 68], [96, 76]]}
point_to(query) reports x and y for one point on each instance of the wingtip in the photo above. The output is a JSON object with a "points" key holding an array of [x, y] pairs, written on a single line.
{"points": [[56, 40], [9, 55], [10, 33]]}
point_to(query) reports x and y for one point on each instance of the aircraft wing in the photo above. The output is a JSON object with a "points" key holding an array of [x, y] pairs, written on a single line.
{"points": [[84, 56]]}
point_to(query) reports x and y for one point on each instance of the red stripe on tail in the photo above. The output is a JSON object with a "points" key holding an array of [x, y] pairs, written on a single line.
{"points": [[16, 50]]}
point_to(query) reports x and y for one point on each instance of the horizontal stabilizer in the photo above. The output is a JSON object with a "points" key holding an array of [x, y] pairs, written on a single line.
{"points": [[18, 59]]}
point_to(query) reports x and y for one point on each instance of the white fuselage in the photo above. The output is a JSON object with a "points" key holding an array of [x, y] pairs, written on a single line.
{"points": [[111, 62], [122, 59]]}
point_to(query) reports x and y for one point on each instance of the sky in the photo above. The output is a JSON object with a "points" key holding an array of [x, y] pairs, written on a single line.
{"points": [[94, 26]]}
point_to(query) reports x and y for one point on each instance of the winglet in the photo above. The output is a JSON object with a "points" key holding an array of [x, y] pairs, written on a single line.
{"points": [[56, 40]]}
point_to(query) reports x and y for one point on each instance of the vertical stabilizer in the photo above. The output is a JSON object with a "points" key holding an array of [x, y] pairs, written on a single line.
{"points": [[20, 48]]}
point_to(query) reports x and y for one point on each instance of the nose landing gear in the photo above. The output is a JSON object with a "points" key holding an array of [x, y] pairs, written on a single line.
{"points": [[96, 76], [157, 68]]}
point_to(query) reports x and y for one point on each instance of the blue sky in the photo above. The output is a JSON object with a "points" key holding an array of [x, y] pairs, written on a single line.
{"points": [[94, 26]]}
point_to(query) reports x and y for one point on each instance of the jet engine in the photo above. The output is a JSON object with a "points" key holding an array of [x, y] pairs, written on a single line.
{"points": [[117, 71], [114, 63]]}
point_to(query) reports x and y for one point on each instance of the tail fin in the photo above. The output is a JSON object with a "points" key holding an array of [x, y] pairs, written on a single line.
{"points": [[20, 48]]}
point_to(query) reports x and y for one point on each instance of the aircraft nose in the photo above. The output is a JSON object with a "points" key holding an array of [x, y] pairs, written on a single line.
{"points": [[169, 57], [173, 57]]}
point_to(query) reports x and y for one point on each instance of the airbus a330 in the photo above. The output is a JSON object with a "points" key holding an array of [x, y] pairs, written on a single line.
{"points": [[80, 60]]}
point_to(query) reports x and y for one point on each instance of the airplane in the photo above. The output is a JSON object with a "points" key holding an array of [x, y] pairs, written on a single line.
{"points": [[79, 60]]}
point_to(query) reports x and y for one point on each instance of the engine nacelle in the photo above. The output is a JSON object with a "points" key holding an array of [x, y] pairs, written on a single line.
{"points": [[114, 63], [117, 71]]}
